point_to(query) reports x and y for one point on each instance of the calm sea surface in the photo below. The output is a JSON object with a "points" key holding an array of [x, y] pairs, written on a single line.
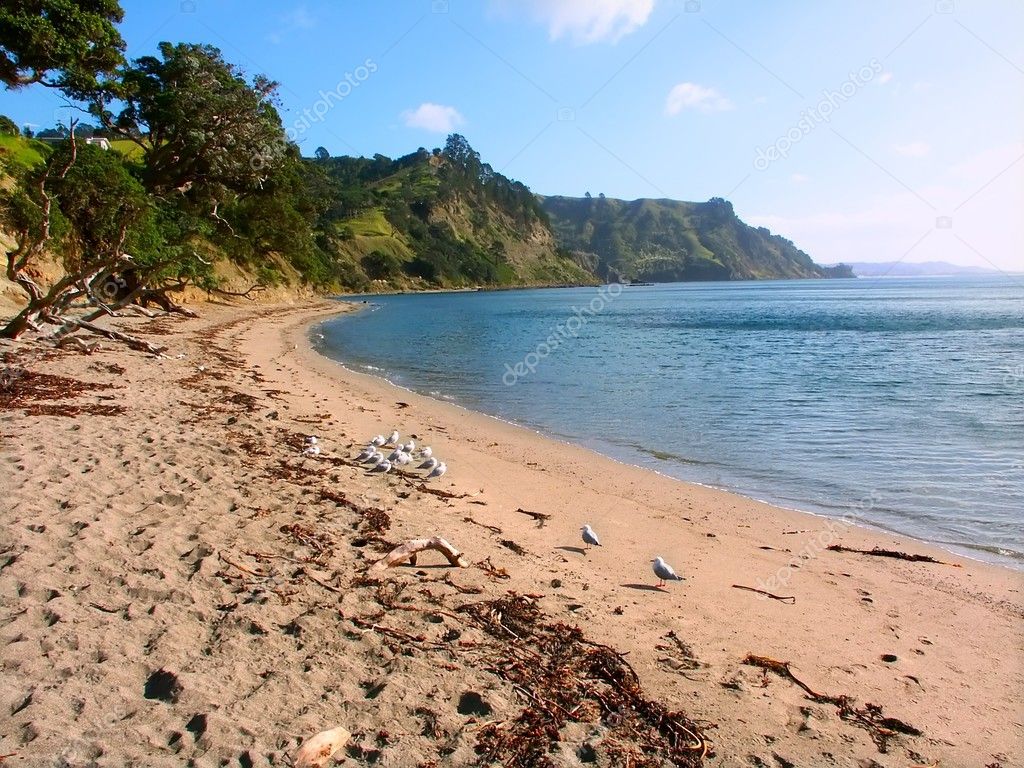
{"points": [[897, 401]]}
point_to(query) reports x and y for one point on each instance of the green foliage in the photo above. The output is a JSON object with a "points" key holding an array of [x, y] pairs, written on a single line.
{"points": [[66, 44], [208, 132], [8, 127]]}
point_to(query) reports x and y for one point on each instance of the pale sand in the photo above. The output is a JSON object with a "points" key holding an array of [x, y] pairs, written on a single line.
{"points": [[118, 532]]}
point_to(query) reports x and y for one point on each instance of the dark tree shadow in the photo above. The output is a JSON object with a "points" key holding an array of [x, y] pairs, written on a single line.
{"points": [[577, 550], [644, 587]]}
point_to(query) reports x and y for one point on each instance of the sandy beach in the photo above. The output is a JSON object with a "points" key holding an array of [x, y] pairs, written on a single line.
{"points": [[179, 585]]}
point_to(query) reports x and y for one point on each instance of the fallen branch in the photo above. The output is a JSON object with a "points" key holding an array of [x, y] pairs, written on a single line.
{"points": [[789, 599], [540, 517], [410, 549], [879, 552]]}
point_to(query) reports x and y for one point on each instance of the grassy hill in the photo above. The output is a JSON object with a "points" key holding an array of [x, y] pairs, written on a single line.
{"points": [[670, 240]]}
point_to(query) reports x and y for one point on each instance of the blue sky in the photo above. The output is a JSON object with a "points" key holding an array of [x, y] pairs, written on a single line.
{"points": [[864, 131]]}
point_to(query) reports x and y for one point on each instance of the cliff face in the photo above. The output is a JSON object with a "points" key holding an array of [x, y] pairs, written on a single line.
{"points": [[670, 240]]}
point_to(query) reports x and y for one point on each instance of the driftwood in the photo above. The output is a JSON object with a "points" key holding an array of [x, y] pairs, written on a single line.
{"points": [[316, 751], [879, 552], [788, 599], [410, 549], [540, 517]]}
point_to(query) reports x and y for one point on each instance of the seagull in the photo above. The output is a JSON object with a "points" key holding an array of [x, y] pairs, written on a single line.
{"points": [[425, 452], [664, 571], [439, 470], [384, 466], [393, 440], [378, 441], [311, 440], [408, 447], [589, 537], [404, 459], [374, 459], [428, 464], [395, 454], [367, 452], [311, 450]]}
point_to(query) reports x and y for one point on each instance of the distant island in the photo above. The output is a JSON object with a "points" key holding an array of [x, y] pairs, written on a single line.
{"points": [[913, 269]]}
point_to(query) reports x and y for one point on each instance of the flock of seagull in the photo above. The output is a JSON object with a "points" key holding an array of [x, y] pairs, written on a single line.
{"points": [[404, 454], [662, 570], [401, 455]]}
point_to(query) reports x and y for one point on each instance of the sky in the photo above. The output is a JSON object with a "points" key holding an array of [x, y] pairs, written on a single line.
{"points": [[862, 131]]}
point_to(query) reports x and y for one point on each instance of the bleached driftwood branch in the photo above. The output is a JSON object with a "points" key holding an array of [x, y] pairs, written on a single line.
{"points": [[409, 550]]}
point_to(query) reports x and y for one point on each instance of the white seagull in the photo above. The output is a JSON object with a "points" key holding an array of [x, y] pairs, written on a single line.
{"points": [[311, 450], [428, 464], [404, 459], [664, 571], [378, 441], [366, 453], [426, 452], [439, 470], [384, 466], [374, 459], [409, 447], [395, 454], [311, 440], [393, 440], [589, 537]]}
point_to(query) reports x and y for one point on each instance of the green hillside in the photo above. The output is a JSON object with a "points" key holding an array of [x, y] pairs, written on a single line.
{"points": [[671, 240]]}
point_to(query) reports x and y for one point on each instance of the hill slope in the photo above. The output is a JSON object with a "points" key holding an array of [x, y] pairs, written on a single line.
{"points": [[670, 240]]}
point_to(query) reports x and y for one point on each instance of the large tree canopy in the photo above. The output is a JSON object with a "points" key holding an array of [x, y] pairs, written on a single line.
{"points": [[204, 129], [66, 44]]}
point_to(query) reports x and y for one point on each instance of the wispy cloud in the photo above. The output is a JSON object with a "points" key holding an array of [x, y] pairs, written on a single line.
{"points": [[884, 78], [297, 18], [433, 117], [799, 178], [694, 96], [913, 149], [584, 21]]}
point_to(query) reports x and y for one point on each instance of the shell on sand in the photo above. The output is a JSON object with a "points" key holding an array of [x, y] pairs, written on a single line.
{"points": [[317, 750]]}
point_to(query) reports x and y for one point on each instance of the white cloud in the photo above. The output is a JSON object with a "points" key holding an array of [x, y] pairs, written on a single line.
{"points": [[433, 117], [884, 78], [913, 149], [799, 178], [693, 96], [300, 18], [585, 21]]}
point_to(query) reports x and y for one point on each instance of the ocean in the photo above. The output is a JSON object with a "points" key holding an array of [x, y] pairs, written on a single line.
{"points": [[898, 402]]}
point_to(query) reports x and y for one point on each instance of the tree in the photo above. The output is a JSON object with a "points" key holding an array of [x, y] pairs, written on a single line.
{"points": [[322, 153], [8, 127], [205, 131], [65, 44]]}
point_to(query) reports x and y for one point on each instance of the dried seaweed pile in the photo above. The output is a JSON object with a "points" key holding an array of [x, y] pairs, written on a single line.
{"points": [[567, 678], [869, 717], [36, 394]]}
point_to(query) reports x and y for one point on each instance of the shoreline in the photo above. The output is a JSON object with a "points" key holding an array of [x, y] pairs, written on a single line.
{"points": [[186, 536], [976, 553]]}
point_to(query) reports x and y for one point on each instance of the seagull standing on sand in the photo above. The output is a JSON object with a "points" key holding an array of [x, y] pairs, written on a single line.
{"points": [[393, 440], [311, 440], [430, 463], [408, 447], [367, 452], [396, 453], [426, 452], [403, 459], [384, 466], [374, 459], [439, 470], [589, 537], [378, 441], [312, 449], [664, 571]]}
